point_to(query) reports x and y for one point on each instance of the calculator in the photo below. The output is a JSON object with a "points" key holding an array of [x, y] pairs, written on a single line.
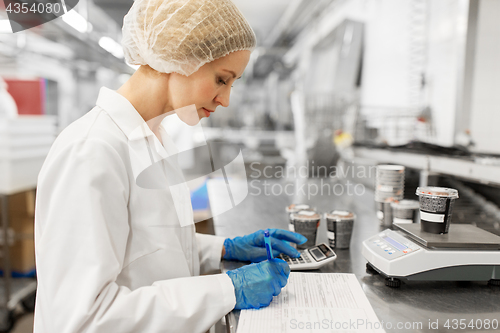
{"points": [[311, 258]]}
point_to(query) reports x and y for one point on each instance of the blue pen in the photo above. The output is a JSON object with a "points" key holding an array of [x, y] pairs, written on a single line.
{"points": [[268, 245]]}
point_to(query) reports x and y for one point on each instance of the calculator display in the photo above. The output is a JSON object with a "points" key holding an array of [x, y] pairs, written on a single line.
{"points": [[317, 254], [310, 258], [326, 251]]}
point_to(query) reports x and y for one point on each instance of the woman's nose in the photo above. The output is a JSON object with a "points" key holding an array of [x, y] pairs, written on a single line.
{"points": [[223, 98]]}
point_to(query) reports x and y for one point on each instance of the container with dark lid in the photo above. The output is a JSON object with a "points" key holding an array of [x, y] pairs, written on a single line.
{"points": [[436, 204]]}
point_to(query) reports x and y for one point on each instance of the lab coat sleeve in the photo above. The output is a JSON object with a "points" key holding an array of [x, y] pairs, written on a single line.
{"points": [[209, 251], [81, 235]]}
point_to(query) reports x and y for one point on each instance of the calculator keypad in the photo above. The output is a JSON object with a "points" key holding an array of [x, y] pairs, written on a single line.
{"points": [[303, 259]]}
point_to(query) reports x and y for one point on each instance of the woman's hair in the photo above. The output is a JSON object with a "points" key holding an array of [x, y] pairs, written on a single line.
{"points": [[182, 35]]}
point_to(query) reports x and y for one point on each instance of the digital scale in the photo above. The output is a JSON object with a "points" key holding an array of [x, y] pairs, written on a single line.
{"points": [[465, 253]]}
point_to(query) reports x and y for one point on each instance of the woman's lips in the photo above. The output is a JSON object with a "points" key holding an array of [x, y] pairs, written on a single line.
{"points": [[207, 112]]}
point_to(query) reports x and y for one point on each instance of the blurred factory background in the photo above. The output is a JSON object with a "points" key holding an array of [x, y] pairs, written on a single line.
{"points": [[332, 82]]}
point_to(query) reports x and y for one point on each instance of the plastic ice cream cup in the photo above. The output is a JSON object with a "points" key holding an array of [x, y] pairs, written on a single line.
{"points": [[339, 228], [436, 204], [294, 208], [306, 223]]}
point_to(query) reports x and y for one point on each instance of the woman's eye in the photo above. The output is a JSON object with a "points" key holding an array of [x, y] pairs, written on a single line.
{"points": [[221, 81]]}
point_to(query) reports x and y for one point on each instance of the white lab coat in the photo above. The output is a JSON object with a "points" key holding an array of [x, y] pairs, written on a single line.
{"points": [[111, 256]]}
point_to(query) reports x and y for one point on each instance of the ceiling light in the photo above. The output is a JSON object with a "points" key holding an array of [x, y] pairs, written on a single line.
{"points": [[113, 47], [76, 21]]}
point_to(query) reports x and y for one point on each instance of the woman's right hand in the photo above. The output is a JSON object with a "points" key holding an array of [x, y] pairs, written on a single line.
{"points": [[256, 284]]}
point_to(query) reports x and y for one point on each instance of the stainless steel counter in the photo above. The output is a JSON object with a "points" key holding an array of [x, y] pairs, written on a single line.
{"points": [[415, 303]]}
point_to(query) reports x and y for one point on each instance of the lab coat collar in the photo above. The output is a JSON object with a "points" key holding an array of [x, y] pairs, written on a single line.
{"points": [[120, 110], [147, 153], [130, 121], [144, 147]]}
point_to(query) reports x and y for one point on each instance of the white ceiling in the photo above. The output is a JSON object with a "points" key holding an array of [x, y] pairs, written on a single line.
{"points": [[262, 15]]}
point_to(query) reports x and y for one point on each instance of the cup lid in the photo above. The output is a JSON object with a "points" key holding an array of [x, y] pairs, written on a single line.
{"points": [[297, 207], [405, 204], [390, 167], [339, 215], [306, 215], [386, 199], [442, 192]]}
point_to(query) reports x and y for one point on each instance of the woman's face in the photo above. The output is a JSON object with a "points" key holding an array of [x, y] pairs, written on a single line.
{"points": [[208, 87]]}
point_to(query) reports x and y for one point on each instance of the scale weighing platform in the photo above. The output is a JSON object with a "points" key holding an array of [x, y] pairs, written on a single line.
{"points": [[465, 253]]}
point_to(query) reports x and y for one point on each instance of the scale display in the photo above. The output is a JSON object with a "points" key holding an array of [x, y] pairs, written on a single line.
{"points": [[394, 243]]}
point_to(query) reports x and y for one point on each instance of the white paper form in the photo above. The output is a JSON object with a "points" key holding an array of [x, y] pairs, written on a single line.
{"points": [[314, 303]]}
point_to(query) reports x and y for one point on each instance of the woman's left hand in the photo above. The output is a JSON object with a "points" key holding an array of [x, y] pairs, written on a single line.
{"points": [[252, 247]]}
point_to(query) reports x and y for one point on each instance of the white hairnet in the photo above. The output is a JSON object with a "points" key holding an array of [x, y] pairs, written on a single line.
{"points": [[182, 35]]}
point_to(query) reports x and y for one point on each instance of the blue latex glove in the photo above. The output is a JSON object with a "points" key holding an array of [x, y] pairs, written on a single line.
{"points": [[252, 247], [256, 284]]}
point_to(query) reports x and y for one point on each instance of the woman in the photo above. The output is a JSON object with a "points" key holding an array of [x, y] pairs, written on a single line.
{"points": [[114, 256]]}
